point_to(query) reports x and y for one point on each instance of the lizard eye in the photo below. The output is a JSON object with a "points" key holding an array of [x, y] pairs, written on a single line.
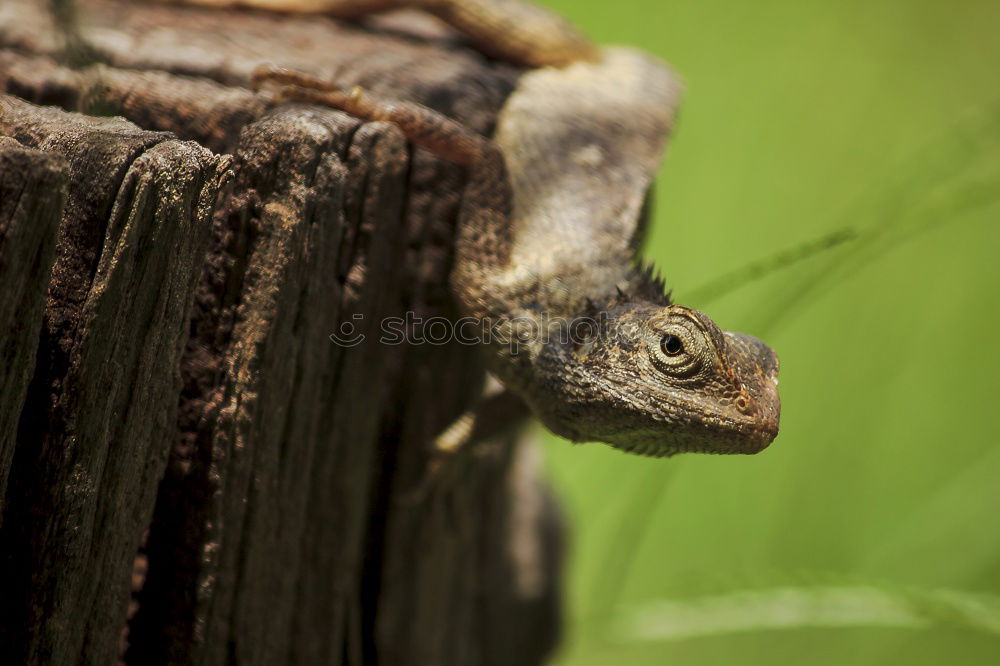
{"points": [[677, 352], [671, 345]]}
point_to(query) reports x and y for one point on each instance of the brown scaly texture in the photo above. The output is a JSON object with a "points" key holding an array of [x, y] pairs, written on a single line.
{"points": [[545, 258], [587, 337]]}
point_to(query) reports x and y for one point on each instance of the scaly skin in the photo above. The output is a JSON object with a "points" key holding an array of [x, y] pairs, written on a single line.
{"points": [[549, 225]]}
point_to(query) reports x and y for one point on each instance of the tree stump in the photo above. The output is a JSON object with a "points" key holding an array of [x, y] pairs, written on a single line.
{"points": [[192, 469]]}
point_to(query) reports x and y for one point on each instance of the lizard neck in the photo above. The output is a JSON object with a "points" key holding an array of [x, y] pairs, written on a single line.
{"points": [[540, 325]]}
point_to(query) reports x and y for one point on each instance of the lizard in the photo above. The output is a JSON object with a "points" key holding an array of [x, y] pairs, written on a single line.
{"points": [[586, 335]]}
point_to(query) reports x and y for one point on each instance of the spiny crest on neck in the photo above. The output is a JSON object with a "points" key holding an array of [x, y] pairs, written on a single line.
{"points": [[646, 283]]}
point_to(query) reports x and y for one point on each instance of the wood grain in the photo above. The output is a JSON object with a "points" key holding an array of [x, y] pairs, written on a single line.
{"points": [[188, 413]]}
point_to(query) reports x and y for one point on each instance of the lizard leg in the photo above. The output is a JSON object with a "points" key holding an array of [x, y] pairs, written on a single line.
{"points": [[424, 127], [513, 30], [496, 415], [484, 243]]}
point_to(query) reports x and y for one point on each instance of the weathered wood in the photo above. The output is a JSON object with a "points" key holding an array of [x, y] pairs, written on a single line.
{"points": [[282, 530], [95, 428], [32, 191]]}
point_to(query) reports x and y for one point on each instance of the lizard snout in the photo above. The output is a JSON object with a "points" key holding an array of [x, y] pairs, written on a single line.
{"points": [[755, 366]]}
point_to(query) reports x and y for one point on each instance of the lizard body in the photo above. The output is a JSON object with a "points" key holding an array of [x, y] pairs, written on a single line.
{"points": [[582, 145], [548, 232]]}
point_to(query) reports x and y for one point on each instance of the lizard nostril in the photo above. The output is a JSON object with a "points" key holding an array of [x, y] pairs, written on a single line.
{"points": [[743, 405]]}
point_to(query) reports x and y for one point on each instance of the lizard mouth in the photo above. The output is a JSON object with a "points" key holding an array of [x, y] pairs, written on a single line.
{"points": [[756, 368]]}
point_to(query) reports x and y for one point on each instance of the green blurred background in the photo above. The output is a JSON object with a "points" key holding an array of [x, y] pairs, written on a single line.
{"points": [[869, 533]]}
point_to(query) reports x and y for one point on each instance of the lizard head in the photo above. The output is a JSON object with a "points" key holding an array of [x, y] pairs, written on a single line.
{"points": [[659, 380]]}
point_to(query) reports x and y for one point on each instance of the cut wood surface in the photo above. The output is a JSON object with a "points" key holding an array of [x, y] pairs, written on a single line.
{"points": [[196, 472]]}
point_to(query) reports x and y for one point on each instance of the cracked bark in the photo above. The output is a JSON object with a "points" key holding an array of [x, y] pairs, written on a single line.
{"points": [[176, 424]]}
